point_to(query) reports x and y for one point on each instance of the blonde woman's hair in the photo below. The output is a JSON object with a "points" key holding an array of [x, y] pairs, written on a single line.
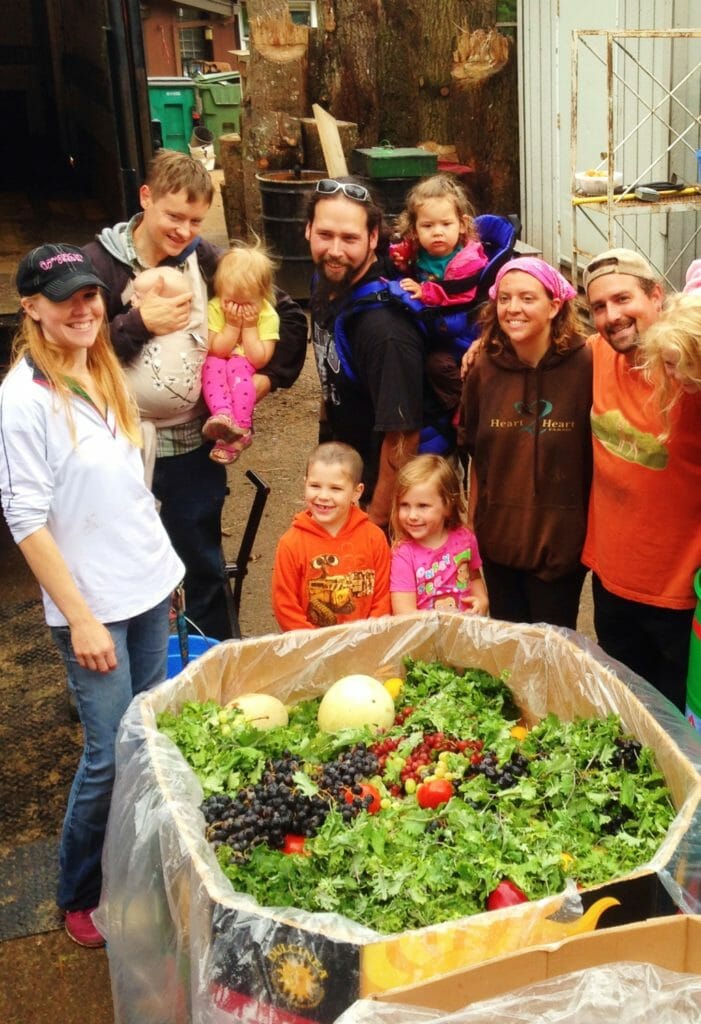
{"points": [[51, 360], [438, 186], [438, 472], [336, 453], [676, 334], [246, 269]]}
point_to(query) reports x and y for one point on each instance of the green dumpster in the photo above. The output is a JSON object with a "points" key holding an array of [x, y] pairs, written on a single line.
{"points": [[172, 102], [220, 103]]}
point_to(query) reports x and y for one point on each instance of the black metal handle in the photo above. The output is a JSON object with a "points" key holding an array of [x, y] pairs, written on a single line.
{"points": [[237, 570]]}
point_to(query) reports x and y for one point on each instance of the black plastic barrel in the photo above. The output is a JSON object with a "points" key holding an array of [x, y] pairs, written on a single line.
{"points": [[391, 194], [284, 200]]}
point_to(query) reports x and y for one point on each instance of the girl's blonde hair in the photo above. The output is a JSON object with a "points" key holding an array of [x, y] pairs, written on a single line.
{"points": [[676, 334], [246, 269], [438, 186], [51, 360], [437, 472]]}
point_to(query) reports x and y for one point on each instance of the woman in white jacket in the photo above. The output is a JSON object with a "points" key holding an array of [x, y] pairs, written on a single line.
{"points": [[76, 503]]}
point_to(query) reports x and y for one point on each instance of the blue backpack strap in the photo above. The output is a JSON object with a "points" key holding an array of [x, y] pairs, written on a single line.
{"points": [[437, 438], [498, 236], [398, 295], [370, 295]]}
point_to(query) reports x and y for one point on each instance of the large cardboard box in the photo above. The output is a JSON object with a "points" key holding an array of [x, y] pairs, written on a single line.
{"points": [[184, 946], [673, 943]]}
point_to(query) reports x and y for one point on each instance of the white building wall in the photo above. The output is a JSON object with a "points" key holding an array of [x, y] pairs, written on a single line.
{"points": [[545, 69]]}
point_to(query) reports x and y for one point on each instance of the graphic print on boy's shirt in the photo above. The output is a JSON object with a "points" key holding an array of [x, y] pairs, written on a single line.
{"points": [[331, 595]]}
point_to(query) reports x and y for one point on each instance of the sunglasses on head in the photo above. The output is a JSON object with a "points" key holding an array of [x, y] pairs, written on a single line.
{"points": [[328, 187]]}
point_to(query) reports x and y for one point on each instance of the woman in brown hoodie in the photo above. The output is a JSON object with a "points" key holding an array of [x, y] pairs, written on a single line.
{"points": [[525, 425]]}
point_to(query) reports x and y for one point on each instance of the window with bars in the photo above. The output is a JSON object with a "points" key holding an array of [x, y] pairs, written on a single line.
{"points": [[194, 49]]}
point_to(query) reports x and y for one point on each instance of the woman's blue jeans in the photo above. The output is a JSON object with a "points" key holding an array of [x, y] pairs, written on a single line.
{"points": [[141, 646]]}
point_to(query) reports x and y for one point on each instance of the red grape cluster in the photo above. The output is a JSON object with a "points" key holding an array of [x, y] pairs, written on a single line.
{"points": [[423, 755]]}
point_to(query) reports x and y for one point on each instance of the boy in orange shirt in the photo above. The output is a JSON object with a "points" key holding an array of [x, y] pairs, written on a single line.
{"points": [[332, 565]]}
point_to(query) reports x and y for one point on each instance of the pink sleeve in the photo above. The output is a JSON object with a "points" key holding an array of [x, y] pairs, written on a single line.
{"points": [[433, 295], [464, 539], [402, 579], [469, 260], [476, 559]]}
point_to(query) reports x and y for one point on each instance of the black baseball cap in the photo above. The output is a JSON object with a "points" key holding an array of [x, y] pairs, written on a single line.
{"points": [[56, 271]]}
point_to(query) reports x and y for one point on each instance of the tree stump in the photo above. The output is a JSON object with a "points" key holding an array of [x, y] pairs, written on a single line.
{"points": [[273, 143], [276, 97]]}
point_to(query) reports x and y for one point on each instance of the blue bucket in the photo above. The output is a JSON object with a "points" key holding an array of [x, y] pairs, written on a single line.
{"points": [[197, 645]]}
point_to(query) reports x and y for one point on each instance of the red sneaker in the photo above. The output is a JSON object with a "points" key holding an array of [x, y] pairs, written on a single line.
{"points": [[80, 928]]}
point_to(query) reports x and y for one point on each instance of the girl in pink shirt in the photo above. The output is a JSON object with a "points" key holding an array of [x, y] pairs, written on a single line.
{"points": [[435, 560]]}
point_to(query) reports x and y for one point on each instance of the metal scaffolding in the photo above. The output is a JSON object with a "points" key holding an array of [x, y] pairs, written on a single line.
{"points": [[649, 121]]}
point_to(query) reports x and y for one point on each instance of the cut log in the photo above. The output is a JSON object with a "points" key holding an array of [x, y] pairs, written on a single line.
{"points": [[479, 55]]}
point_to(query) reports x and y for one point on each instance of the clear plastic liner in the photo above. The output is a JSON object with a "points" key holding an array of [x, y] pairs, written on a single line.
{"points": [[630, 992], [183, 946]]}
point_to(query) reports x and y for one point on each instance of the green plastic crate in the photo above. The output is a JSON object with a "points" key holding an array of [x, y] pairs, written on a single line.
{"points": [[220, 103], [172, 101], [391, 162]]}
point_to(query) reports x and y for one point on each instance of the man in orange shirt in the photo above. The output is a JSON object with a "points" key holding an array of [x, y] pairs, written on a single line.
{"points": [[643, 540]]}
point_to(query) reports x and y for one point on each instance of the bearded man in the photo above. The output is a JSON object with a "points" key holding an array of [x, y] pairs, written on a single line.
{"points": [[643, 540], [377, 399]]}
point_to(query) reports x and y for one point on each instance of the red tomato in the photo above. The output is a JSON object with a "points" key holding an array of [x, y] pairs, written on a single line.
{"points": [[366, 790], [434, 793], [295, 844], [506, 894]]}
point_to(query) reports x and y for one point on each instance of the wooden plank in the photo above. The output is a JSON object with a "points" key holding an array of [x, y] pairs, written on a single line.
{"points": [[311, 141], [334, 157]]}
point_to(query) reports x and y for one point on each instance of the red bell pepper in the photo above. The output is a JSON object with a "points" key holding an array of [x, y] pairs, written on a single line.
{"points": [[506, 894]]}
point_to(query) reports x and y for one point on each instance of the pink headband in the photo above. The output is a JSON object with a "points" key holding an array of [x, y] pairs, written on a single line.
{"points": [[550, 278], [693, 278]]}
